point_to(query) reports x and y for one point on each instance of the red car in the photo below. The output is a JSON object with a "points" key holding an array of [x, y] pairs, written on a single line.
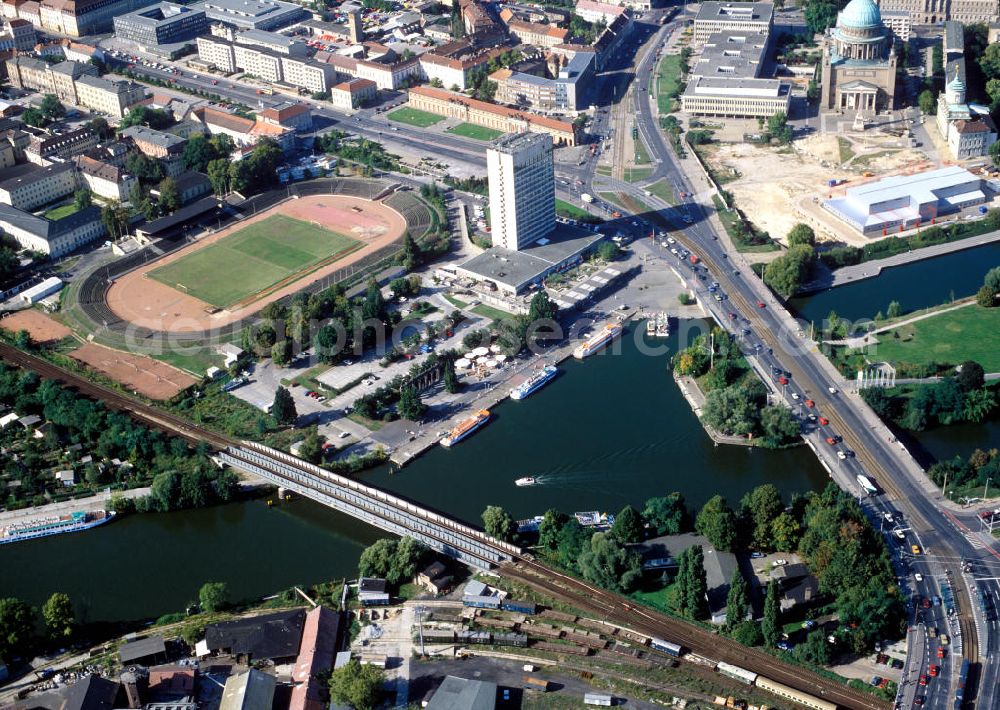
{"points": [[783, 380], [940, 651], [824, 421], [926, 604], [923, 680], [933, 671], [810, 403], [831, 441], [761, 304]]}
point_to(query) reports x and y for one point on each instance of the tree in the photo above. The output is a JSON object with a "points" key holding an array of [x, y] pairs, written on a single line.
{"points": [[814, 650], [971, 376], [573, 538], [992, 278], [666, 515], [978, 404], [198, 153], [51, 108], [149, 171], [213, 596], [99, 125], [115, 218], [17, 625], [995, 148], [411, 253], [34, 117], [58, 614], [717, 522], [986, 296], [697, 587], [748, 634], [550, 527], [82, 199], [779, 426], [283, 408], [990, 61], [240, 176], [628, 527], [786, 532], [410, 406], [374, 304], [895, 310], [820, 15], [450, 377], [498, 523], [281, 352], [737, 601], [143, 115], [542, 307], [218, 175], [778, 128], [170, 196], [927, 102], [609, 564], [769, 626], [760, 507], [356, 685], [608, 251], [786, 273], [376, 560], [311, 448], [801, 234]]}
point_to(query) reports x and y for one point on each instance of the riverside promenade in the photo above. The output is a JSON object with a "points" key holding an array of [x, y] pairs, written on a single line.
{"points": [[98, 501], [871, 269]]}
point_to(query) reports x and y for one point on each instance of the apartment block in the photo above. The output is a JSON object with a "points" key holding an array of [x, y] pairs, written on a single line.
{"points": [[112, 98], [26, 187], [309, 74]]}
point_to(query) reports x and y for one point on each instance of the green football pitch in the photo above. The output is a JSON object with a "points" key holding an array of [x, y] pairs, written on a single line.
{"points": [[253, 259]]}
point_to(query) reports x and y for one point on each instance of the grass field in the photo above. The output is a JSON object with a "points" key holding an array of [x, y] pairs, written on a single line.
{"points": [[668, 82], [415, 117], [490, 312], [62, 211], [470, 130], [663, 190], [262, 254], [970, 333], [567, 209]]}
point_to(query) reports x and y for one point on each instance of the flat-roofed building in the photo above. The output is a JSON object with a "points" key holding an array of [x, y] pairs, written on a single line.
{"points": [[736, 98], [26, 187], [294, 115], [253, 14], [732, 54], [717, 16], [164, 23], [898, 23], [522, 189], [483, 113], [599, 12], [218, 52], [273, 41], [351, 94], [568, 91], [252, 690], [905, 201], [74, 18], [260, 63], [309, 74], [112, 98]]}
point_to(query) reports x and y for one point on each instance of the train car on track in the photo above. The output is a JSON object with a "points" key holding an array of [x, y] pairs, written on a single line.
{"points": [[741, 675], [963, 676], [671, 649], [796, 696]]}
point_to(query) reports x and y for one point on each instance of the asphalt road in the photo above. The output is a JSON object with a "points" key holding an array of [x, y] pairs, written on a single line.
{"points": [[942, 542]]}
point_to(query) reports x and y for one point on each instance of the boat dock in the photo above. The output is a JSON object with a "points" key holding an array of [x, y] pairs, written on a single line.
{"points": [[496, 391], [93, 503]]}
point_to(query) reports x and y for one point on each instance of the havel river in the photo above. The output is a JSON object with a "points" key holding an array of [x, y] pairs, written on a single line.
{"points": [[609, 431]]}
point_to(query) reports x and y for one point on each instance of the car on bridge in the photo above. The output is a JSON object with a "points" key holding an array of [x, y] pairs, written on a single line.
{"points": [[761, 304], [824, 421]]}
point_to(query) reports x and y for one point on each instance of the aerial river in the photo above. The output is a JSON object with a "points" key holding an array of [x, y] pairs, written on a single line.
{"points": [[610, 431]]}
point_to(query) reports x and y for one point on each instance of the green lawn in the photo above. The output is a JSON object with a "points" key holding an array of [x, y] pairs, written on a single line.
{"points": [[490, 312], [641, 152], [254, 258], [415, 117], [668, 82], [637, 174], [663, 190], [470, 130], [569, 210], [970, 333], [456, 302], [57, 213]]}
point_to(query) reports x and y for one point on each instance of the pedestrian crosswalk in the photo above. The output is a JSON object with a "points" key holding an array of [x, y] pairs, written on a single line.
{"points": [[975, 540]]}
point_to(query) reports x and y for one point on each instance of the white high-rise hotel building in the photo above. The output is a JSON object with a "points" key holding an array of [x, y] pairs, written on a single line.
{"points": [[522, 189]]}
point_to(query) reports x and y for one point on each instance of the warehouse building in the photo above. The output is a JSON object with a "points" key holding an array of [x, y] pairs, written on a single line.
{"points": [[902, 202]]}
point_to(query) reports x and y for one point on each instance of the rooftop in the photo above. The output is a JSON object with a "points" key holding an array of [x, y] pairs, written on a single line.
{"points": [[456, 693], [516, 269], [28, 173], [141, 648], [711, 10], [268, 636], [152, 136]]}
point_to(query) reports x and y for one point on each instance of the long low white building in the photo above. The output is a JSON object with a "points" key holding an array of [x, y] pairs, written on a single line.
{"points": [[54, 238], [906, 201], [739, 98]]}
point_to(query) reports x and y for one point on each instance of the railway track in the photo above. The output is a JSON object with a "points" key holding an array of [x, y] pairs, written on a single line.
{"points": [[617, 609]]}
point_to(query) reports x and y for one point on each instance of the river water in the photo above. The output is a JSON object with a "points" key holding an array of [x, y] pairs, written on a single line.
{"points": [[610, 431], [918, 285]]}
